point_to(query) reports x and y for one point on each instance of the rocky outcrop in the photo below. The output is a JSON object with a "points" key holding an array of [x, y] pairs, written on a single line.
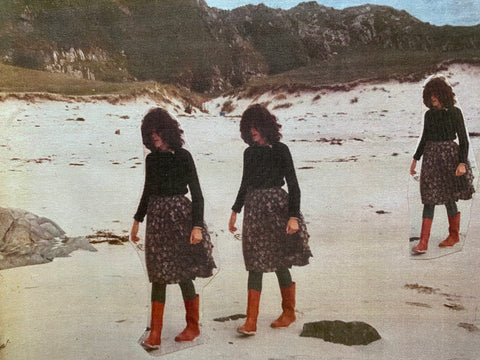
{"points": [[28, 239], [84, 64]]}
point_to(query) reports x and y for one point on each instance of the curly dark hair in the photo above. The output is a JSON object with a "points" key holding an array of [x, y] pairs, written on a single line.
{"points": [[258, 117], [159, 121], [440, 88]]}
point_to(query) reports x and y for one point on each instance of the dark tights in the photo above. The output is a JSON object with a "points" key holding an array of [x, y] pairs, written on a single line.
{"points": [[187, 287], [255, 279], [429, 210]]}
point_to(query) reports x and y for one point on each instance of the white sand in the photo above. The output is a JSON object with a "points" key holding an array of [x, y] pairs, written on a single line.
{"points": [[95, 305]]}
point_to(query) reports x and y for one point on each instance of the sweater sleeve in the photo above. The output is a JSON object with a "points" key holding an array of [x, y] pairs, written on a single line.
{"points": [[421, 146], [242, 192], [292, 184], [462, 136], [147, 189], [196, 192]]}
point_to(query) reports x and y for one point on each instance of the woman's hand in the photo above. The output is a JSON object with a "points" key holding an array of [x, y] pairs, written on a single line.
{"points": [[134, 232], [461, 169], [292, 226], [412, 167], [196, 236], [231, 222]]}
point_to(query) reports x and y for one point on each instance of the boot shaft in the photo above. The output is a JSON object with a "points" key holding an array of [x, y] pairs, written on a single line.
{"points": [[253, 303]]}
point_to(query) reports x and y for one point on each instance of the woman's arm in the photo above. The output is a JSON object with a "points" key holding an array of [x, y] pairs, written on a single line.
{"points": [[147, 189], [292, 183], [198, 202], [242, 192], [195, 191], [462, 136], [134, 232], [413, 165], [421, 145], [231, 223]]}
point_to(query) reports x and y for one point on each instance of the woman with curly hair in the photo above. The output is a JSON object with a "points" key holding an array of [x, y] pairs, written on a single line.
{"points": [[177, 242], [446, 175], [274, 234]]}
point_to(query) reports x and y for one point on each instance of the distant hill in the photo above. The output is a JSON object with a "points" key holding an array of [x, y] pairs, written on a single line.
{"points": [[208, 50]]}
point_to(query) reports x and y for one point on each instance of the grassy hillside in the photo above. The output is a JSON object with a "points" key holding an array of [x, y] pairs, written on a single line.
{"points": [[211, 51], [373, 65], [20, 80], [346, 68], [16, 79]]}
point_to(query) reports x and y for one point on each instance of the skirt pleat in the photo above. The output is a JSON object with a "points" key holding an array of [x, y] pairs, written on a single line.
{"points": [[266, 245], [170, 258], [438, 183]]}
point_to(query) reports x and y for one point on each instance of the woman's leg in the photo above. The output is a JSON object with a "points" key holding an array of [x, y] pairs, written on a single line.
{"points": [[188, 290], [452, 208], [255, 281], [156, 321], [428, 211], [254, 291], [192, 312], [284, 278], [158, 292], [287, 289]]}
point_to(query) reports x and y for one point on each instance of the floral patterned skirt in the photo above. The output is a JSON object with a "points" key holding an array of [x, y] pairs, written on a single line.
{"points": [[266, 245], [438, 183], [170, 258]]}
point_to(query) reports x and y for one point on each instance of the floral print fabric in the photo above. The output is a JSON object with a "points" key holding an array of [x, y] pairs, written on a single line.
{"points": [[170, 258], [438, 183], [266, 245]]}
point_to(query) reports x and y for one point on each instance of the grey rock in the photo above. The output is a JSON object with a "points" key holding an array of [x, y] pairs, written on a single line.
{"points": [[52, 229], [43, 220], [18, 234], [39, 233], [28, 239], [6, 221], [340, 332]]}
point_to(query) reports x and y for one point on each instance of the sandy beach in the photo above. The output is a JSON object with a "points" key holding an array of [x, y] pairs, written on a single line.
{"points": [[81, 165]]}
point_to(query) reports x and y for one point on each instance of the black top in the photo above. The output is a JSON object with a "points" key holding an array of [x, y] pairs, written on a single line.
{"points": [[266, 167], [443, 125], [168, 174]]}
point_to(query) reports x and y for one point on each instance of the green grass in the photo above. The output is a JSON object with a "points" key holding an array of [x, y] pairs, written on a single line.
{"points": [[344, 68], [15, 79], [374, 65]]}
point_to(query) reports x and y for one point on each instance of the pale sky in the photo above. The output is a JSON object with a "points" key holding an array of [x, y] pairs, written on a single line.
{"points": [[436, 12]]}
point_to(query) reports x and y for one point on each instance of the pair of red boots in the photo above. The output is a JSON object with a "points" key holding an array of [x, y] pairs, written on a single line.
{"points": [[190, 333], [286, 318], [452, 239]]}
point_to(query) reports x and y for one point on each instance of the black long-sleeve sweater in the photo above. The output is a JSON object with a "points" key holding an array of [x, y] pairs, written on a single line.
{"points": [[266, 167], [168, 174], [443, 125]]}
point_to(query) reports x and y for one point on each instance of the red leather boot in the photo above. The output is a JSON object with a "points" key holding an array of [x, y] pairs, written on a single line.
{"points": [[288, 306], [453, 230], [422, 246], [250, 326], [192, 316], [156, 324]]}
